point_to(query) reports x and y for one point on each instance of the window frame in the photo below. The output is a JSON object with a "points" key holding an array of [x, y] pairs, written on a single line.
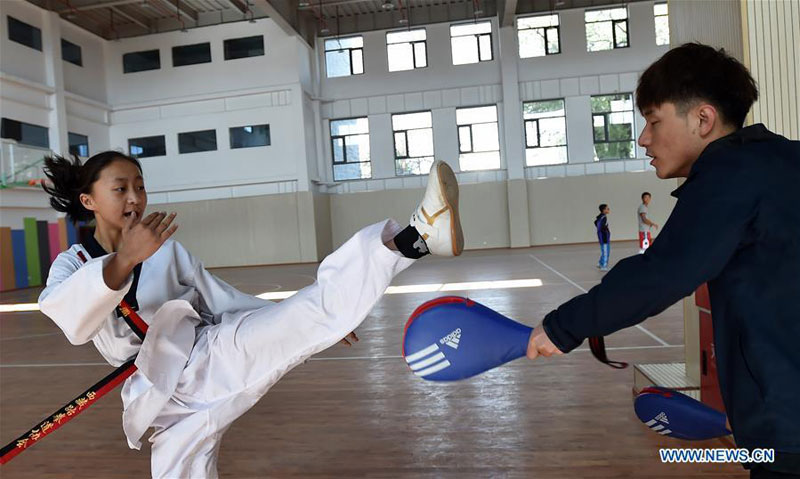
{"points": [[472, 136], [79, 62], [7, 123], [413, 44], [477, 37], [177, 48], [344, 147], [230, 136], [227, 41], [655, 23], [539, 131], [36, 38], [125, 69], [606, 122], [405, 136], [546, 35], [194, 132], [614, 23], [350, 55], [163, 137], [70, 136]]}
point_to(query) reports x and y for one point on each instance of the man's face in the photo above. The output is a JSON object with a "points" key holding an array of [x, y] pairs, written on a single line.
{"points": [[670, 139], [646, 199], [606, 210]]}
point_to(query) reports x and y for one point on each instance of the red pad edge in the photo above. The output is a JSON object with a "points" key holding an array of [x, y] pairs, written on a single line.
{"points": [[426, 306]]}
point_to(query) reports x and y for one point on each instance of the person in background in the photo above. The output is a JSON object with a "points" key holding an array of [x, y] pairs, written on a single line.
{"points": [[603, 236]]}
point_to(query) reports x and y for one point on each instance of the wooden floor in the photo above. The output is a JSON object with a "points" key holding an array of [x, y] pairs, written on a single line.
{"points": [[359, 412]]}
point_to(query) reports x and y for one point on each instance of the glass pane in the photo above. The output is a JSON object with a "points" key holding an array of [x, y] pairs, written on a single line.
{"points": [[553, 131], [531, 43], [71, 53], [465, 50], [599, 37], [338, 149], [400, 146], [357, 148], [197, 141], [249, 136], [481, 114], [400, 57], [619, 13], [413, 166], [613, 151], [660, 9], [662, 30], [191, 54], [485, 137], [420, 55], [141, 61], [621, 102], [620, 126], [244, 47], [342, 43], [147, 146], [24, 34], [349, 126], [553, 45], [597, 15], [599, 127], [470, 29], [358, 61], [337, 63], [78, 144], [531, 134], [420, 142], [621, 32], [409, 121], [542, 109], [539, 21], [479, 161], [406, 36], [352, 171], [485, 42], [464, 139], [555, 155]]}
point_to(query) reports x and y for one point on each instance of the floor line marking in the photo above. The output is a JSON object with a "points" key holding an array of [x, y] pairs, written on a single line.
{"points": [[573, 283]]}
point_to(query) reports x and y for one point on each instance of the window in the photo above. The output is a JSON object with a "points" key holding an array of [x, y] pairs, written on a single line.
{"points": [[545, 132], [25, 133], [407, 50], [661, 14], [141, 61], [197, 141], [78, 145], [538, 36], [413, 143], [147, 146], [606, 29], [71, 53], [249, 136], [344, 56], [471, 43], [25, 34], [244, 47], [350, 149], [478, 138], [612, 121], [191, 54]]}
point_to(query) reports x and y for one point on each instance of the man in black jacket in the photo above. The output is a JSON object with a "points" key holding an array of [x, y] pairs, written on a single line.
{"points": [[734, 226]]}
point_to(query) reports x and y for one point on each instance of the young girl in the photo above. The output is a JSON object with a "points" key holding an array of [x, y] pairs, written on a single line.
{"points": [[211, 352], [603, 236]]}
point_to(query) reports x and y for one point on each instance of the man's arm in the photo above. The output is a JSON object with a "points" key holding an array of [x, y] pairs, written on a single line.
{"points": [[646, 221], [719, 203]]}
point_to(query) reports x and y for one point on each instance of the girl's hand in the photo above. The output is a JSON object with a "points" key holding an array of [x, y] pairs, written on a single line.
{"points": [[141, 239]]}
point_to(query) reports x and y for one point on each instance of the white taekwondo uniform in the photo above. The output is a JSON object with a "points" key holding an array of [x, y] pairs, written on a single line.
{"points": [[211, 352]]}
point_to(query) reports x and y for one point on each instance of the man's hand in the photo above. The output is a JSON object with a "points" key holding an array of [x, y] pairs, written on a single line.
{"points": [[350, 339], [540, 345]]}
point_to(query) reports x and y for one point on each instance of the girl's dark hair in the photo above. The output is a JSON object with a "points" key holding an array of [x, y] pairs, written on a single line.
{"points": [[70, 179], [693, 72], [602, 207]]}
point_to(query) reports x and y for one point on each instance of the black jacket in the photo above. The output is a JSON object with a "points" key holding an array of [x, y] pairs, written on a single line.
{"points": [[736, 225]]}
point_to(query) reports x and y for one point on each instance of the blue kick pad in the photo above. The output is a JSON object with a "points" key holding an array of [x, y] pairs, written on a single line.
{"points": [[674, 414], [452, 338]]}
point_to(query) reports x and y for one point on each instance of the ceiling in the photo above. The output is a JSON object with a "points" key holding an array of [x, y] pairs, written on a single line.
{"points": [[113, 19]]}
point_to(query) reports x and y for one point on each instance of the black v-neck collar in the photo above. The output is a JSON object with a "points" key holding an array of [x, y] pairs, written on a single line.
{"points": [[95, 250]]}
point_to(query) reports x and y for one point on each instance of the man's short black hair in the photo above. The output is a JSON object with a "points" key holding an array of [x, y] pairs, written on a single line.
{"points": [[646, 193], [695, 72], [603, 206]]}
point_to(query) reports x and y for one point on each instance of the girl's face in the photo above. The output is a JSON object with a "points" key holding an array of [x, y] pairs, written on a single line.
{"points": [[117, 193]]}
